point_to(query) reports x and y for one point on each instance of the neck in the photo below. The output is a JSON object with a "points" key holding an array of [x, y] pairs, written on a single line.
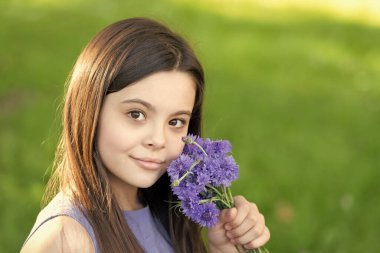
{"points": [[126, 195]]}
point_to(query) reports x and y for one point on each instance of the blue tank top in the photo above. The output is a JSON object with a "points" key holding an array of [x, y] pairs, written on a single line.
{"points": [[148, 231]]}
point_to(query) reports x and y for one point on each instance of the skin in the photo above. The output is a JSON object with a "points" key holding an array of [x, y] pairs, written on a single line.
{"points": [[130, 130], [242, 225], [60, 235], [146, 120]]}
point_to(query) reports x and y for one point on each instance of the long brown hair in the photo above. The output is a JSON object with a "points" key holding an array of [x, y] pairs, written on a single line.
{"points": [[116, 57]]}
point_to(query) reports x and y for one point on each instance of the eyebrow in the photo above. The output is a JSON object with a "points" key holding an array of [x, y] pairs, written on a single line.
{"points": [[151, 107], [139, 101]]}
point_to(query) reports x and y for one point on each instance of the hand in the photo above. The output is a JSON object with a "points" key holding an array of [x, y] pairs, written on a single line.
{"points": [[242, 225]]}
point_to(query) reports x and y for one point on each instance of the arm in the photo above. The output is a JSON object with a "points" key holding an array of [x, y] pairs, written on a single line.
{"points": [[61, 235], [242, 225]]}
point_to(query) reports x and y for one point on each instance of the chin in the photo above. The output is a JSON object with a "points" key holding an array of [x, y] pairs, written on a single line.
{"points": [[147, 183], [145, 186]]}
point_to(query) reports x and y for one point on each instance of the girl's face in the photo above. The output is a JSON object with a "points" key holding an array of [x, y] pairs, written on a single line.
{"points": [[140, 127]]}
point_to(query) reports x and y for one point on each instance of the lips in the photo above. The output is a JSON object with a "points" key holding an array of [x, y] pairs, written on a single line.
{"points": [[148, 163]]}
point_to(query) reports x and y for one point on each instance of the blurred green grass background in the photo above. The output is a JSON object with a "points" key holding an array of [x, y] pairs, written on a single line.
{"points": [[295, 88]]}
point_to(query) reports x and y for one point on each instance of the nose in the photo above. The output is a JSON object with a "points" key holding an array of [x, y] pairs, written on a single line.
{"points": [[155, 139]]}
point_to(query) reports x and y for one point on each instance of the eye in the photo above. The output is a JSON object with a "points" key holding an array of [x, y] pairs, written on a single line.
{"points": [[137, 115], [178, 123]]}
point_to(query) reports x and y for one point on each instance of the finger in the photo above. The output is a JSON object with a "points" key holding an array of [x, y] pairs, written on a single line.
{"points": [[250, 229], [248, 223], [243, 209], [260, 241]]}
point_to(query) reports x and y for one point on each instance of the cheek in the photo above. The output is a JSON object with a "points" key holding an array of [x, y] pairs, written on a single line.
{"points": [[176, 149], [114, 137], [107, 146]]}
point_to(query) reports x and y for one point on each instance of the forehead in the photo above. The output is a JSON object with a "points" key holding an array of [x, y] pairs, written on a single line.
{"points": [[164, 89]]}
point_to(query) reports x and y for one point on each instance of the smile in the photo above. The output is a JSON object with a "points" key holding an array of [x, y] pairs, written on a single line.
{"points": [[147, 163]]}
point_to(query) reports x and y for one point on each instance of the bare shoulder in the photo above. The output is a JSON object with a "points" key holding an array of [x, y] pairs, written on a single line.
{"points": [[60, 234]]}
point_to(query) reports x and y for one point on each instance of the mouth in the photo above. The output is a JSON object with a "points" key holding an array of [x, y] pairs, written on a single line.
{"points": [[148, 163]]}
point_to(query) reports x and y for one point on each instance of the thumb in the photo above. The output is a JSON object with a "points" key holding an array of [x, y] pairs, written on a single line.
{"points": [[228, 215], [225, 216]]}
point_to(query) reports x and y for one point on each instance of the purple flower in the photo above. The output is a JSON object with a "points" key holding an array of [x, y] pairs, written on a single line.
{"points": [[189, 205], [208, 146], [217, 148], [196, 151], [179, 167], [201, 175], [222, 170], [207, 215], [199, 178]]}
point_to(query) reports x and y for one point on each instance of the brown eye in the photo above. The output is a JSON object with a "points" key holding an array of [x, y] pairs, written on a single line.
{"points": [[136, 115], [177, 123]]}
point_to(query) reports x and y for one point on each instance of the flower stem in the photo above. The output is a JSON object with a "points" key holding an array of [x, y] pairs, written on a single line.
{"points": [[200, 147], [230, 196], [215, 190], [214, 199], [189, 140], [178, 181]]}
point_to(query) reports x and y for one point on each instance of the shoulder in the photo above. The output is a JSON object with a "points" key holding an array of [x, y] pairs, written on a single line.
{"points": [[60, 234]]}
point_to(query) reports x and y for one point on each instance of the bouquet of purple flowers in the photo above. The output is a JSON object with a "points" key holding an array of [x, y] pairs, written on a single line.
{"points": [[201, 177]]}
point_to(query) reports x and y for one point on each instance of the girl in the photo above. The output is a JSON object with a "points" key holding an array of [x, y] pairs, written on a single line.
{"points": [[135, 90]]}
